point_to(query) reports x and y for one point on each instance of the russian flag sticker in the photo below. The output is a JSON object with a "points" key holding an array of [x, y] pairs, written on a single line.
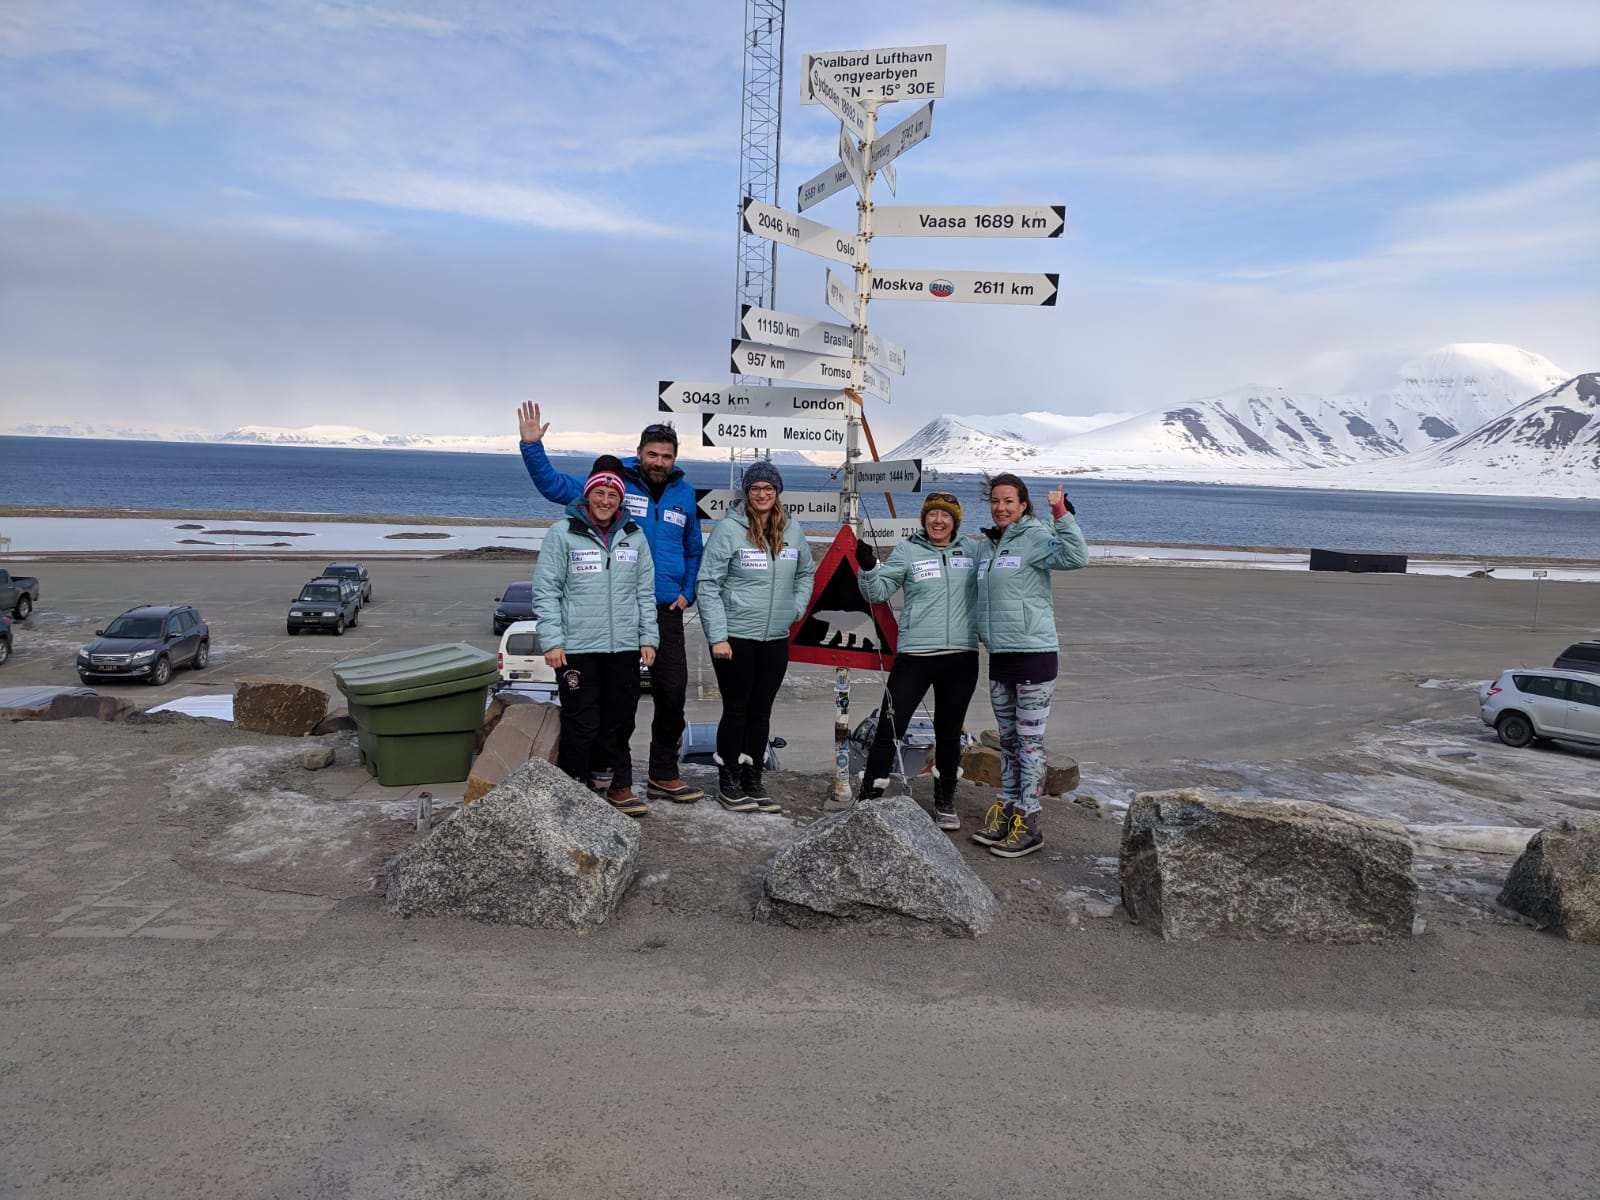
{"points": [[942, 288]]}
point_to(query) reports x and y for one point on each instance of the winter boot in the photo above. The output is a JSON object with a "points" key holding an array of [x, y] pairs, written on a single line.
{"points": [[944, 802], [675, 790], [625, 800], [750, 779], [1025, 837], [872, 790], [730, 789], [996, 824]]}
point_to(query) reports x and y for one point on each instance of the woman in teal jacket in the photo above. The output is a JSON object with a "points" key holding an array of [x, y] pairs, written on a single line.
{"points": [[594, 595], [755, 582], [938, 647], [1016, 620]]}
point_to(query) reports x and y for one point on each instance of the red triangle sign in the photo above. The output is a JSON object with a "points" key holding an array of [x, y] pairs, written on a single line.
{"points": [[840, 629]]}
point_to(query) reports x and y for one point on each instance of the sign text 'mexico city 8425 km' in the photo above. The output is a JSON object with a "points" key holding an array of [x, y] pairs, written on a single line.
{"points": [[748, 430]]}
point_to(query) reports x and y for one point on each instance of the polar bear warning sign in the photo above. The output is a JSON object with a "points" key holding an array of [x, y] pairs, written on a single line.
{"points": [[840, 629]]}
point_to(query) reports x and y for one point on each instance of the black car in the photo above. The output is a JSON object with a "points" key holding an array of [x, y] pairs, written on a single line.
{"points": [[146, 643], [331, 604], [1580, 656], [515, 605], [353, 571], [5, 637]]}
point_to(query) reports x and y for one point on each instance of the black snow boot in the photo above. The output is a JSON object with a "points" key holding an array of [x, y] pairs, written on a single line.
{"points": [[750, 778], [730, 790]]}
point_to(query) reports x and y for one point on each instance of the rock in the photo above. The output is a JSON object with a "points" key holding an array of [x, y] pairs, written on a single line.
{"points": [[270, 704], [882, 865], [338, 720], [315, 760], [1556, 881], [65, 704], [1085, 800], [540, 849], [981, 764], [523, 731], [990, 738], [1198, 864]]}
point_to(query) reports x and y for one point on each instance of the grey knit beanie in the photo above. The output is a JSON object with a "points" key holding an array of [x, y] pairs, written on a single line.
{"points": [[762, 471]]}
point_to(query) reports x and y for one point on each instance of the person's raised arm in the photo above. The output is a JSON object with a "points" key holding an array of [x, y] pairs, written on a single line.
{"points": [[880, 580], [553, 485], [1068, 550]]}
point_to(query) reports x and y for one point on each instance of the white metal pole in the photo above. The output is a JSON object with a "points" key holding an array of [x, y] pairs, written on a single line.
{"points": [[849, 495]]}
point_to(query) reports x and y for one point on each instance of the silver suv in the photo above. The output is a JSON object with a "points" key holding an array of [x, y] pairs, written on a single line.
{"points": [[1526, 704]]}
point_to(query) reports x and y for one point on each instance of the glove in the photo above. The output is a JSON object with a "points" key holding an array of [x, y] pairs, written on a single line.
{"points": [[1067, 504], [866, 556]]}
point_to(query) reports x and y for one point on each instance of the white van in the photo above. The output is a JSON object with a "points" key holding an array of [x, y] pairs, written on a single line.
{"points": [[522, 664]]}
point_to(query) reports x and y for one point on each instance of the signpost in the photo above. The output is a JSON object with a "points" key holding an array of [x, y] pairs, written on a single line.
{"points": [[775, 362], [812, 508], [913, 130], [744, 430], [894, 73], [890, 475], [764, 220], [969, 220], [822, 185], [680, 396], [888, 529], [817, 337], [965, 287]]}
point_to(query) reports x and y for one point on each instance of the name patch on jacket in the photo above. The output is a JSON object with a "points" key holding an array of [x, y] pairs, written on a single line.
{"points": [[627, 554], [790, 554], [752, 559], [1007, 562], [960, 562], [673, 517], [585, 562], [636, 504], [927, 568]]}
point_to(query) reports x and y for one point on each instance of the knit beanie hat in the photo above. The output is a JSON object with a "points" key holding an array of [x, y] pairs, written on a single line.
{"points": [[606, 472], [941, 502], [762, 471]]}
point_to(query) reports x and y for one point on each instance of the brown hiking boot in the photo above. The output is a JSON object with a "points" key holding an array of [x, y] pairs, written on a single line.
{"points": [[675, 790], [624, 801]]}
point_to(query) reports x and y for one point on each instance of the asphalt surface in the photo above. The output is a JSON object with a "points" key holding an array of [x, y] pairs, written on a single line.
{"points": [[173, 1032]]}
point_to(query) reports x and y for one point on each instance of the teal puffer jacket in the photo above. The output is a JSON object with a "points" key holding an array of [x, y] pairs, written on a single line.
{"points": [[744, 591], [1015, 611], [594, 595], [941, 586]]}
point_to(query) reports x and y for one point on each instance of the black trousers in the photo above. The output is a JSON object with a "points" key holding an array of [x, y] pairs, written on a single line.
{"points": [[599, 700], [749, 683], [669, 685], [953, 678]]}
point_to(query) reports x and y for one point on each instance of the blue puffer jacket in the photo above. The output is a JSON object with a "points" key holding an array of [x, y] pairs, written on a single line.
{"points": [[1015, 611], [940, 584], [745, 592], [593, 594], [672, 523]]}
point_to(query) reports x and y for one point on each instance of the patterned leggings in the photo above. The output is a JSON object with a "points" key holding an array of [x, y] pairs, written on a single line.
{"points": [[1021, 710]]}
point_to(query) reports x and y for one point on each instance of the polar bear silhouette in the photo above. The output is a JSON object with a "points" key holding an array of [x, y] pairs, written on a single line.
{"points": [[854, 630]]}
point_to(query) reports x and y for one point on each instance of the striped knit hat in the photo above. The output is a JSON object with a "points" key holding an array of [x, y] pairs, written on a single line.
{"points": [[941, 502], [606, 472]]}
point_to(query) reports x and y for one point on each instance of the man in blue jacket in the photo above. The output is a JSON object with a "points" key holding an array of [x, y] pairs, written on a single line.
{"points": [[661, 501]]}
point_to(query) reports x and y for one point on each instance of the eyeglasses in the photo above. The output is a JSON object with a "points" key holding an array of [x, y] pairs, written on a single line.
{"points": [[761, 489], [941, 497]]}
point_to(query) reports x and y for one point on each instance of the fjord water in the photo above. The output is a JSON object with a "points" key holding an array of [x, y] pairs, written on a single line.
{"points": [[200, 477]]}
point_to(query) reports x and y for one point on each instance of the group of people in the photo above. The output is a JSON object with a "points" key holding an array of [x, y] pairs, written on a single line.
{"points": [[615, 576]]}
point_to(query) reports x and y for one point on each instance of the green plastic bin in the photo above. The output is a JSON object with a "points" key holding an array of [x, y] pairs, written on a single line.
{"points": [[417, 712]]}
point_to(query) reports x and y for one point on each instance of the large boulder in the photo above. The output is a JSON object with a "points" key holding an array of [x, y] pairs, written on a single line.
{"points": [[271, 704], [521, 732], [540, 849], [1556, 881], [60, 704], [1197, 864], [882, 865]]}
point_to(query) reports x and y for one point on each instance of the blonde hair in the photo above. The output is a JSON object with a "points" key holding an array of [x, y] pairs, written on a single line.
{"points": [[766, 530]]}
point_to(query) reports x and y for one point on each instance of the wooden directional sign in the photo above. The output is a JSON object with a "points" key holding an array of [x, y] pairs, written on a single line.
{"points": [[902, 137], [890, 475], [966, 287], [678, 396], [822, 89], [820, 186], [816, 337], [797, 366], [969, 220], [775, 225], [743, 429], [812, 508], [892, 73], [888, 529], [841, 297]]}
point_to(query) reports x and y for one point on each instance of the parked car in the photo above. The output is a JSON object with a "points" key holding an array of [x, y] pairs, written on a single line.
{"points": [[18, 594], [332, 604], [353, 571], [147, 643], [1580, 656], [521, 659], [5, 637], [1524, 705], [516, 604]]}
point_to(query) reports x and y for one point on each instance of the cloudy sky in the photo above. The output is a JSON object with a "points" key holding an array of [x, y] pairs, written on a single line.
{"points": [[412, 215]]}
